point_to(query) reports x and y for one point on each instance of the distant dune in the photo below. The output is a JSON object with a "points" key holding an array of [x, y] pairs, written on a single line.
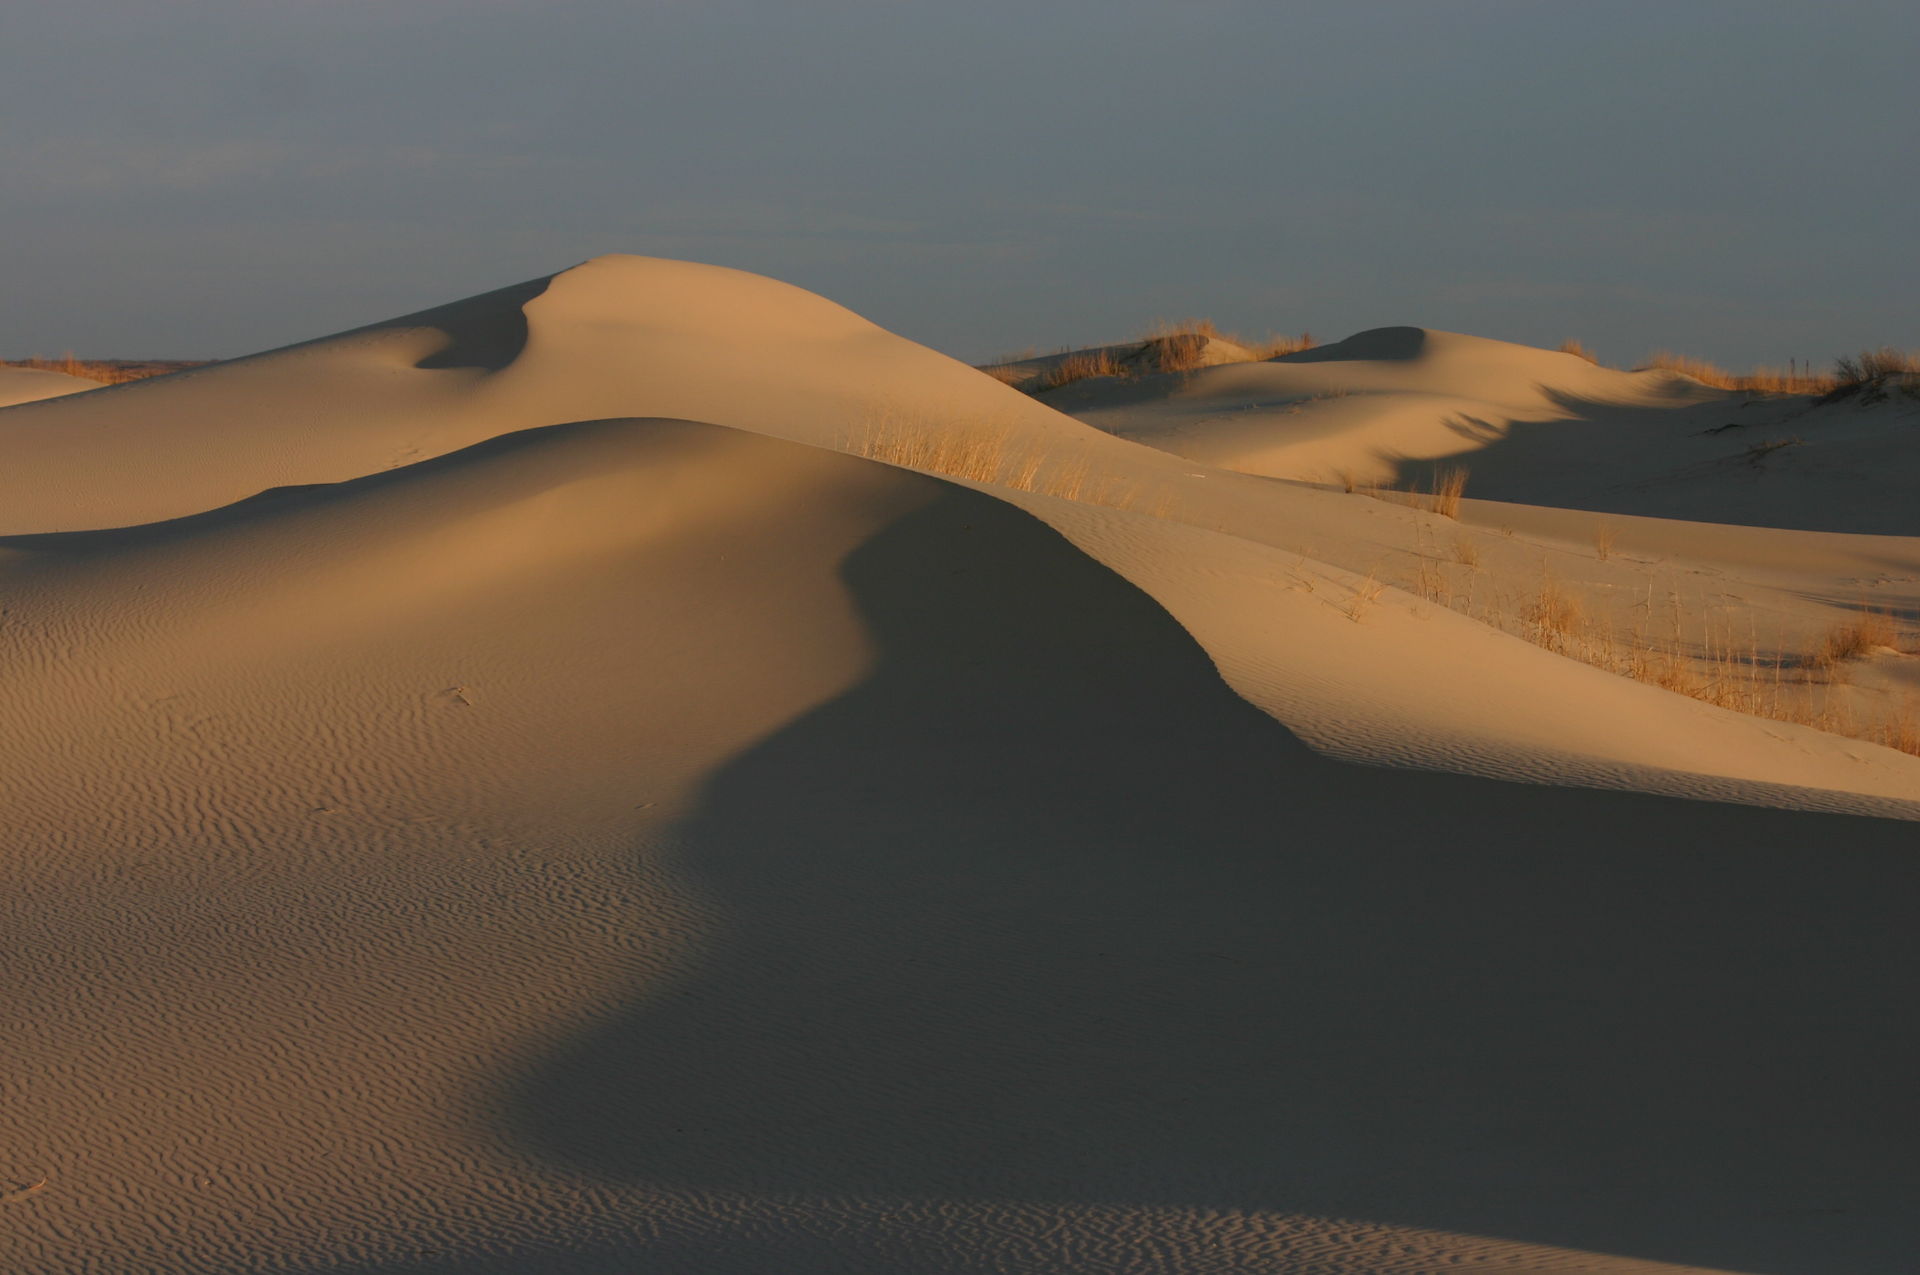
{"points": [[644, 770], [30, 385]]}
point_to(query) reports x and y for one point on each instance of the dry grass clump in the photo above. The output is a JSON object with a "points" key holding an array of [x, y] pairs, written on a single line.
{"points": [[105, 371], [1080, 367], [993, 452], [1901, 729], [1175, 352], [1793, 379], [1579, 351], [1392, 495], [1365, 594], [983, 452], [1871, 365], [1278, 344], [1699, 369], [1186, 327], [1865, 633], [1199, 331], [1555, 618], [1603, 534], [1449, 484], [1183, 345], [1442, 496]]}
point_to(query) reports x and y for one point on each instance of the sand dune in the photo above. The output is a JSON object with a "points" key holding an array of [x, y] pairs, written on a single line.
{"points": [[1536, 427], [30, 385], [501, 790]]}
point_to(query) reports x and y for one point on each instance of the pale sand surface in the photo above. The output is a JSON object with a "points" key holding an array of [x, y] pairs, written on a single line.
{"points": [[497, 792]]}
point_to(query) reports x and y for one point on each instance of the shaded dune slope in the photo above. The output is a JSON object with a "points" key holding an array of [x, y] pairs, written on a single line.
{"points": [[1163, 964]]}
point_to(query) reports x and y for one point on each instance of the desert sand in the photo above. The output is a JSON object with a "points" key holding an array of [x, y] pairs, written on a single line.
{"points": [[31, 385], [646, 771]]}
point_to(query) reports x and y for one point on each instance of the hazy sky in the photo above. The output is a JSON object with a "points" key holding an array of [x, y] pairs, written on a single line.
{"points": [[1734, 178]]}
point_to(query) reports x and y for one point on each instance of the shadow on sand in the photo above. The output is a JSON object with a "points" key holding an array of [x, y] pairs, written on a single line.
{"points": [[1043, 912]]}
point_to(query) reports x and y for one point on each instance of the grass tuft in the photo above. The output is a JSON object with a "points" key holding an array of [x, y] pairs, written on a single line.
{"points": [[1865, 633], [1871, 365], [1555, 618], [1449, 484], [1603, 534], [1365, 594]]}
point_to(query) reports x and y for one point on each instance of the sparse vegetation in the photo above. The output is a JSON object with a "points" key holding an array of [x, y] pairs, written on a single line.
{"points": [[1555, 617], [1724, 668], [1901, 729], [1273, 345], [1866, 632], [105, 371], [1169, 347], [993, 452], [1365, 594], [1718, 668], [1276, 345], [1579, 351], [1175, 352], [1603, 534], [1850, 372], [1080, 367], [1871, 365], [1792, 379]]}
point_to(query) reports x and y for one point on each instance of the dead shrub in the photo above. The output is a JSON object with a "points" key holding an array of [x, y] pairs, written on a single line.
{"points": [[1866, 632]]}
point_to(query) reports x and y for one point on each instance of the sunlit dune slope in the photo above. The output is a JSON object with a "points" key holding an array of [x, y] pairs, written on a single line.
{"points": [[618, 336]]}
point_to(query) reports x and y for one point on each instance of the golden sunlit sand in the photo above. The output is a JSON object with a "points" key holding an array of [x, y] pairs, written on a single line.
{"points": [[644, 770]]}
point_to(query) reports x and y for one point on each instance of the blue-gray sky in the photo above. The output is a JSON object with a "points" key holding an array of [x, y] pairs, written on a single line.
{"points": [[1732, 178]]}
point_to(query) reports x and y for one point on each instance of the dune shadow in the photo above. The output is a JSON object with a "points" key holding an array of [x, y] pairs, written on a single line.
{"points": [[1042, 911], [1396, 344], [486, 332], [1695, 462]]}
